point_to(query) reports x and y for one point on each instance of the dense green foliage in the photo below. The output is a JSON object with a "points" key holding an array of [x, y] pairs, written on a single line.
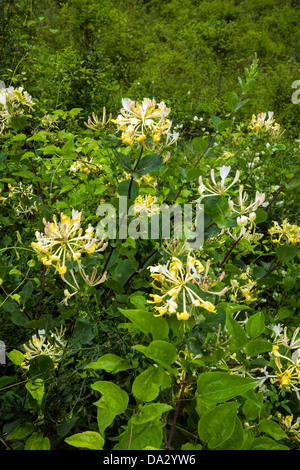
{"points": [[188, 53], [134, 343]]}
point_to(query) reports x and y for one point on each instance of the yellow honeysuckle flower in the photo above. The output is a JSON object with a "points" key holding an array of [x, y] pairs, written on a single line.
{"points": [[140, 121], [259, 125], [146, 204], [285, 231], [176, 279], [65, 240], [38, 345]]}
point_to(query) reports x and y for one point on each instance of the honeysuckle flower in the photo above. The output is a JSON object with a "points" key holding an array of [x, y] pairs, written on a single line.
{"points": [[242, 287], [141, 122], [84, 166], [240, 207], [287, 372], [146, 204], [64, 240], [38, 345], [147, 180], [242, 221], [93, 280], [259, 125], [227, 154], [219, 188], [176, 281], [94, 123], [13, 102], [287, 232], [290, 427]]}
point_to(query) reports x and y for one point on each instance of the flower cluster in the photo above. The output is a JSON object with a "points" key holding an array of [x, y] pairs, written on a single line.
{"points": [[288, 426], [176, 287], [146, 204], [39, 346], [64, 241], [20, 198], [84, 166], [286, 231], [240, 207], [287, 363], [241, 289], [13, 102], [145, 123], [259, 125]]}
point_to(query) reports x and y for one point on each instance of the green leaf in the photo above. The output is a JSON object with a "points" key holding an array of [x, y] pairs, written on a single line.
{"points": [[110, 363], [68, 147], [217, 426], [124, 161], [273, 429], [216, 121], [222, 126], [236, 439], [124, 270], [123, 189], [284, 312], [41, 366], [114, 401], [147, 323], [261, 216], [150, 412], [18, 137], [75, 111], [239, 337], [37, 442], [253, 404], [258, 346], [150, 163], [232, 99], [21, 431], [40, 136], [16, 357], [148, 384], [286, 253], [266, 443], [27, 156], [241, 104], [193, 173], [5, 380], [139, 437], [26, 292], [159, 351], [255, 325], [84, 331], [87, 440], [216, 387], [111, 394], [200, 144], [36, 390]]}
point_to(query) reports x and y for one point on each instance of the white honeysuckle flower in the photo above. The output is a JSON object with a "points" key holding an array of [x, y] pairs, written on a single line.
{"points": [[241, 207], [145, 123], [13, 102], [65, 240], [218, 188], [242, 221]]}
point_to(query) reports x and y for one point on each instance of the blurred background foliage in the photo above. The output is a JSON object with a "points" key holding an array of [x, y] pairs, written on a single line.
{"points": [[91, 53]]}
